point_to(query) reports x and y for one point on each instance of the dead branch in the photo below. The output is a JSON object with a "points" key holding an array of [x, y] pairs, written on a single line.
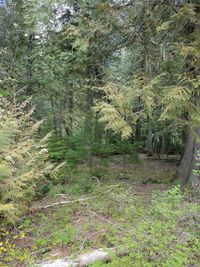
{"points": [[72, 201], [64, 202]]}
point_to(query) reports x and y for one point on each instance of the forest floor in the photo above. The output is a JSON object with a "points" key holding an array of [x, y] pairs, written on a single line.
{"points": [[138, 213]]}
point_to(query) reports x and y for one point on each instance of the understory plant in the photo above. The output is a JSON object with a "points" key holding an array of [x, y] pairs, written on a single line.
{"points": [[23, 159], [165, 235]]}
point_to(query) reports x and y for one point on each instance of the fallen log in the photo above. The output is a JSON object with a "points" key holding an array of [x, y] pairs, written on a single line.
{"points": [[81, 261]]}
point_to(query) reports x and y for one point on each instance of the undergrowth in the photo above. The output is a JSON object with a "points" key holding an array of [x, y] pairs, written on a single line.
{"points": [[167, 236], [161, 232]]}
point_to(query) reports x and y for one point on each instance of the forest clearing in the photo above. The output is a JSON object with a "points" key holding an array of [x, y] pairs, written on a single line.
{"points": [[100, 133]]}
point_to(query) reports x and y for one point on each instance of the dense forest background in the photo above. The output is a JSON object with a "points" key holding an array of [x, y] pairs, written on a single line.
{"points": [[83, 81]]}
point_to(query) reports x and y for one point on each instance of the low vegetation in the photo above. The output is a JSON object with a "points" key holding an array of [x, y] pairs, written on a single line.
{"points": [[145, 224]]}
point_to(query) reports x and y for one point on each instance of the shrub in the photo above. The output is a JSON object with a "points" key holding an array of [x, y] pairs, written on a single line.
{"points": [[23, 160]]}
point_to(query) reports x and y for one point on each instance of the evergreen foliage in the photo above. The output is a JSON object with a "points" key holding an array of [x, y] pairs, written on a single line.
{"points": [[23, 160]]}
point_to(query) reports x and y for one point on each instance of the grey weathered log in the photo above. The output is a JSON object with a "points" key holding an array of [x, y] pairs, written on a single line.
{"points": [[82, 260]]}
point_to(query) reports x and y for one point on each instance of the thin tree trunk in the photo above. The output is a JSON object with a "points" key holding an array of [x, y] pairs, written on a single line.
{"points": [[70, 103], [55, 120], [88, 127], [163, 146], [71, 107], [149, 139], [138, 131], [138, 122], [98, 131], [29, 65]]}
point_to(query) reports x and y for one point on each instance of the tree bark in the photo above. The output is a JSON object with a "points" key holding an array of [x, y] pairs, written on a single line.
{"points": [[30, 65], [138, 131], [189, 161], [149, 139], [70, 104], [88, 127]]}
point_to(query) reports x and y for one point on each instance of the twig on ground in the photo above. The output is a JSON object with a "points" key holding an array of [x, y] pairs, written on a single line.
{"points": [[64, 202], [63, 196], [73, 201]]}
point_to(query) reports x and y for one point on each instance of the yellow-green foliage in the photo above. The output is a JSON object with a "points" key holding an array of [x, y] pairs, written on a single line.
{"points": [[182, 99], [142, 89], [115, 111], [22, 158]]}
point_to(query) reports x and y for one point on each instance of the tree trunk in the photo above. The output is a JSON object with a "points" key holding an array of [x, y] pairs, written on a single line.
{"points": [[71, 107], [88, 127], [30, 65], [138, 131], [149, 138], [189, 161], [70, 103], [98, 131], [56, 126], [165, 145]]}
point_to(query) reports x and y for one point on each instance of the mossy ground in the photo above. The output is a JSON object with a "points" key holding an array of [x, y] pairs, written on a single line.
{"points": [[139, 213]]}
